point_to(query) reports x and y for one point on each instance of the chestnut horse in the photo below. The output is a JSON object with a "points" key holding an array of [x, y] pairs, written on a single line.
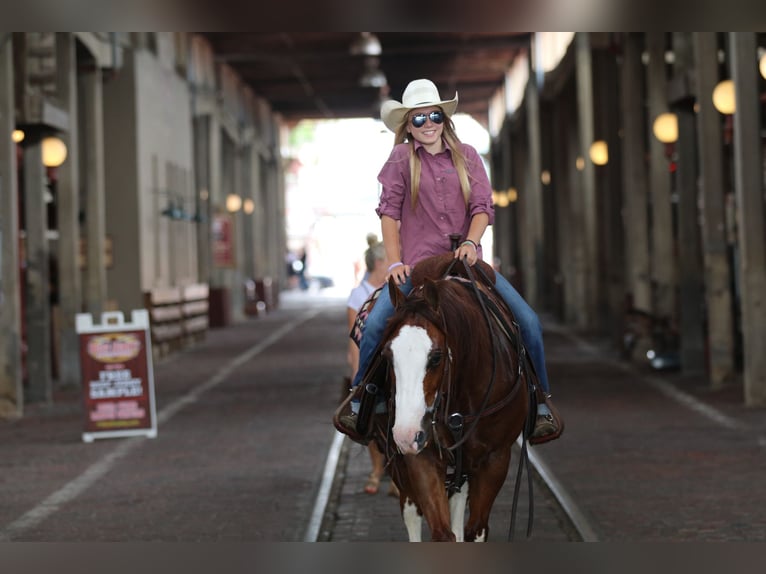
{"points": [[458, 399]]}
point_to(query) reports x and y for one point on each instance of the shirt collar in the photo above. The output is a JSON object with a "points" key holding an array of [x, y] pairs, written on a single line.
{"points": [[419, 145]]}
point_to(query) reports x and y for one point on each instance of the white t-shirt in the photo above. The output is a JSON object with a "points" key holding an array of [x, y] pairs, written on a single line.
{"points": [[359, 294]]}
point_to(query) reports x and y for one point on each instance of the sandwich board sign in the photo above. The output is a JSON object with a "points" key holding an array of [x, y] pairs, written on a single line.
{"points": [[117, 375]]}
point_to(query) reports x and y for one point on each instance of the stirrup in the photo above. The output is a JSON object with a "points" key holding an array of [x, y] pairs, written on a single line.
{"points": [[553, 422]]}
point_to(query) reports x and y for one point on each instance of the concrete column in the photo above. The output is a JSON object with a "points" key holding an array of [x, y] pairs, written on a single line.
{"points": [[689, 250], [533, 209], [93, 111], [217, 197], [37, 307], [635, 186], [11, 390], [69, 273], [240, 249], [717, 271], [584, 70], [663, 257], [247, 193], [748, 176], [577, 312], [202, 195]]}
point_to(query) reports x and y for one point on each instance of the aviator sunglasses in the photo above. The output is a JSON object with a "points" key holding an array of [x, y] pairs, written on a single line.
{"points": [[419, 120]]}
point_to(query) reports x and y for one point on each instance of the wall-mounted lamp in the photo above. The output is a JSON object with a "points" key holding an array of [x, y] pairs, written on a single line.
{"points": [[54, 151], [174, 211], [599, 152], [665, 127], [762, 62], [18, 136], [580, 163], [724, 97], [545, 177], [233, 203], [504, 198], [500, 198], [248, 206]]}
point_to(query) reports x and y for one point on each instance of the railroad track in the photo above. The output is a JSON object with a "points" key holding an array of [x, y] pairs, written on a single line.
{"points": [[343, 513]]}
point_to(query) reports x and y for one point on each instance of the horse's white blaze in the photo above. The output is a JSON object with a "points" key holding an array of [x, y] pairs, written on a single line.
{"points": [[413, 521], [409, 351], [457, 512]]}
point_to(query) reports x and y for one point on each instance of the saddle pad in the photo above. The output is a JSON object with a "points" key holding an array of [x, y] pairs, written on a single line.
{"points": [[361, 316]]}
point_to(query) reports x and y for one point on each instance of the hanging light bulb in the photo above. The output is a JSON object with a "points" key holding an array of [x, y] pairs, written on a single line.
{"points": [[724, 97], [54, 151], [233, 202], [599, 152], [665, 127], [18, 136], [762, 63]]}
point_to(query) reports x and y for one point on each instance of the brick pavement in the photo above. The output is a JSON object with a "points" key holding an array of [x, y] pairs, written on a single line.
{"points": [[646, 456]]}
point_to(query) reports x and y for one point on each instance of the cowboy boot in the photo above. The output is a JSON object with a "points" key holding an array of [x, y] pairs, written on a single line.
{"points": [[548, 423]]}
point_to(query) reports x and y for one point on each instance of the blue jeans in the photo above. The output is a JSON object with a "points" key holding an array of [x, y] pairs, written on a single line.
{"points": [[531, 329]]}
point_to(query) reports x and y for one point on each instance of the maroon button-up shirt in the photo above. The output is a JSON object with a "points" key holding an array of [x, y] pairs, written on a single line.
{"points": [[441, 209]]}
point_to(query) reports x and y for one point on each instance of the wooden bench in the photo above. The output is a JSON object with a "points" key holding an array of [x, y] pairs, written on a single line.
{"points": [[178, 317], [196, 305], [165, 319]]}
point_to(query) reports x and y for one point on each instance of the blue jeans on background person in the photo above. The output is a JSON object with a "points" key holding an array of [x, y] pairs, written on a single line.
{"points": [[529, 323]]}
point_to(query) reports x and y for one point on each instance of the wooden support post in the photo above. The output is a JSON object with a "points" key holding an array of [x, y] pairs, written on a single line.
{"points": [[691, 289], [635, 187], [663, 256], [37, 306], [584, 71], [717, 271], [11, 390], [68, 211], [95, 277], [748, 175]]}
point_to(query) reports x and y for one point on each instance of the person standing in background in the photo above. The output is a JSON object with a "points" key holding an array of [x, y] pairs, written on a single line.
{"points": [[375, 276]]}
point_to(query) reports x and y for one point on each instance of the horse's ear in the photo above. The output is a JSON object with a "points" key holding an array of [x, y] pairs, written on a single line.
{"points": [[394, 293], [431, 294]]}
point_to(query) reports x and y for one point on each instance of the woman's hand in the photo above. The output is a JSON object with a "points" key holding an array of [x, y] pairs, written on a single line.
{"points": [[467, 250], [399, 272]]}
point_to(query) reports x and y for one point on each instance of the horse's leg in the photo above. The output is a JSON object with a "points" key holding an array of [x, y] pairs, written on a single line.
{"points": [[427, 482], [457, 511], [413, 521], [484, 485]]}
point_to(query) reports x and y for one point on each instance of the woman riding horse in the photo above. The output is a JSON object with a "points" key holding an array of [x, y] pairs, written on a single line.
{"points": [[459, 389], [433, 186]]}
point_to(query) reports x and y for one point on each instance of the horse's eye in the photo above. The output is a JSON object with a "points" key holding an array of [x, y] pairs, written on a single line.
{"points": [[434, 359]]}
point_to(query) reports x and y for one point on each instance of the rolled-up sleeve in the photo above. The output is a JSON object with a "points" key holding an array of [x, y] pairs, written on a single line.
{"points": [[481, 189], [394, 178]]}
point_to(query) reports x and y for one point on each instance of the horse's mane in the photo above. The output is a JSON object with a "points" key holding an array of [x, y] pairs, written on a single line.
{"points": [[436, 267], [457, 311]]}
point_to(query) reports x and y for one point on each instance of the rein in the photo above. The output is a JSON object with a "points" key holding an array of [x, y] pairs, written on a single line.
{"points": [[483, 409], [458, 434]]}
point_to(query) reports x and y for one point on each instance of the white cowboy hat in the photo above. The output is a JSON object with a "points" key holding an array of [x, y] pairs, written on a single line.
{"points": [[418, 94]]}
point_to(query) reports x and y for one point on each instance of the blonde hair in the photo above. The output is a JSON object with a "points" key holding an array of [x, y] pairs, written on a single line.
{"points": [[450, 136], [375, 252]]}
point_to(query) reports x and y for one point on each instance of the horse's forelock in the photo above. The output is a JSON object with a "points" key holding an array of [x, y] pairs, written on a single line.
{"points": [[457, 312]]}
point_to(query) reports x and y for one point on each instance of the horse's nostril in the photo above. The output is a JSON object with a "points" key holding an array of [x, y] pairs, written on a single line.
{"points": [[420, 438]]}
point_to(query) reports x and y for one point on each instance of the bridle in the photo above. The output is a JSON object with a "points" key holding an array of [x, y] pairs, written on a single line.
{"points": [[455, 422]]}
